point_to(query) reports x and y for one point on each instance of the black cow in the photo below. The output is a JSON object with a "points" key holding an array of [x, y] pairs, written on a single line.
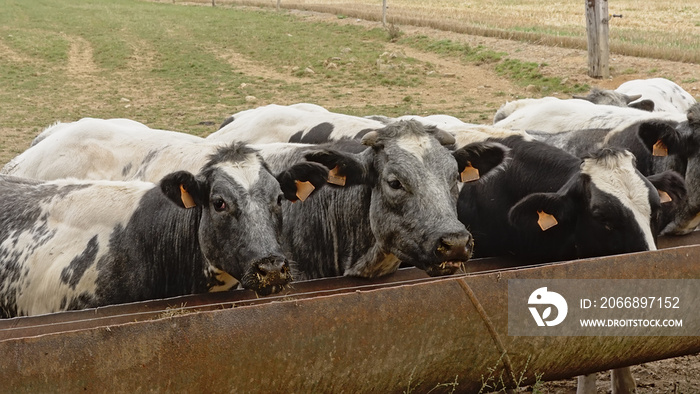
{"points": [[660, 141], [598, 205]]}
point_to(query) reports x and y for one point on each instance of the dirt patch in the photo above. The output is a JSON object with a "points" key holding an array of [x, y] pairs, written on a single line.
{"points": [[80, 57]]}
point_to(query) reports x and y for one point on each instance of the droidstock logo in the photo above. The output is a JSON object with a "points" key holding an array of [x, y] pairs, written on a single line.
{"points": [[543, 297]]}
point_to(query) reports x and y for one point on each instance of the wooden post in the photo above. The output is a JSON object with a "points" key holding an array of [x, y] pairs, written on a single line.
{"points": [[598, 33], [384, 13], [278, 5]]}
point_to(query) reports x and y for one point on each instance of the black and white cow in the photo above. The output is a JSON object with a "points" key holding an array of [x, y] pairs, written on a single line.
{"points": [[304, 123], [545, 204], [666, 95], [109, 149], [398, 205], [71, 244], [618, 99], [601, 204], [660, 141]]}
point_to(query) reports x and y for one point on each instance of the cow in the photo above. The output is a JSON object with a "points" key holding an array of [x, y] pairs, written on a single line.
{"points": [[545, 204], [141, 155], [618, 99], [438, 120], [660, 140], [399, 203], [302, 123], [666, 95], [72, 244], [109, 149], [601, 203]]}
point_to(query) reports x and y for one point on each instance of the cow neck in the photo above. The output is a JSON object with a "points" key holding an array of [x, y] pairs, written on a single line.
{"points": [[164, 238]]}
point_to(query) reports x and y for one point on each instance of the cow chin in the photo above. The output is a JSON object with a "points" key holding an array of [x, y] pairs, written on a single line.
{"points": [[267, 276], [444, 268]]}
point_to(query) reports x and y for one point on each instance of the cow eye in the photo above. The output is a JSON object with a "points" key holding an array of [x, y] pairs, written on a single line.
{"points": [[219, 205], [395, 184], [279, 199]]}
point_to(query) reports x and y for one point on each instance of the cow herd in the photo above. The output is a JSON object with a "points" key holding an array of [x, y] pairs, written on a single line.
{"points": [[105, 211]]}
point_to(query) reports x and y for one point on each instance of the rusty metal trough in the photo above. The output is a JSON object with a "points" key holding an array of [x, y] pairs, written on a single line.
{"points": [[406, 332]]}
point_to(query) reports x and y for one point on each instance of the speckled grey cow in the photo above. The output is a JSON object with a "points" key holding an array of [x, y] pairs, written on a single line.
{"points": [[398, 205]]}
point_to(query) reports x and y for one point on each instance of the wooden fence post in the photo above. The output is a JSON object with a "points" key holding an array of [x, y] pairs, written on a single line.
{"points": [[598, 35], [384, 13]]}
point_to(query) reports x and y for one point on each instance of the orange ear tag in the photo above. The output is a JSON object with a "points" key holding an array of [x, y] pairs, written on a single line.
{"points": [[336, 179], [186, 198], [659, 149], [546, 221], [304, 190], [664, 197], [470, 174]]}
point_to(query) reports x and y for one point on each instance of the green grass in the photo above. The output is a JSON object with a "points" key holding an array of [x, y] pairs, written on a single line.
{"points": [[81, 58], [186, 80]]}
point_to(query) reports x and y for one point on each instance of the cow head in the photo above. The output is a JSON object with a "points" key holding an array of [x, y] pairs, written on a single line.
{"points": [[617, 99], [238, 201], [414, 186], [680, 143], [608, 207]]}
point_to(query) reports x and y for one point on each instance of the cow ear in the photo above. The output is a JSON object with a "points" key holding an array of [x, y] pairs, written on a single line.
{"points": [[443, 137], [476, 159], [539, 212], [659, 138], [372, 139], [294, 180], [344, 169], [693, 114], [644, 105], [184, 189], [670, 185]]}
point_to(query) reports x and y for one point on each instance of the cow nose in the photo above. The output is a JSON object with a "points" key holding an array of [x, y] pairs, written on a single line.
{"points": [[455, 247], [273, 271]]}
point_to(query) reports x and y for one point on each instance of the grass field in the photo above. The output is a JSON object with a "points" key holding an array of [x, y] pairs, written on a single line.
{"points": [[664, 29], [188, 67]]}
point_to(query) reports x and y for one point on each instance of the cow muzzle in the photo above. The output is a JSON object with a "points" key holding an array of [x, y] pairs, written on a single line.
{"points": [[453, 250], [268, 275]]}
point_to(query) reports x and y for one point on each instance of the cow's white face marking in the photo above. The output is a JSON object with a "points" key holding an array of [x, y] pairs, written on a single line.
{"points": [[245, 172], [416, 145], [617, 176]]}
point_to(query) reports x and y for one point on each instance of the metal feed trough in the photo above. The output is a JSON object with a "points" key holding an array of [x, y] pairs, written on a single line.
{"points": [[406, 332]]}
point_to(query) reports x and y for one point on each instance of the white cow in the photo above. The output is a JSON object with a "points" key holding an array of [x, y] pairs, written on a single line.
{"points": [[108, 149], [666, 95]]}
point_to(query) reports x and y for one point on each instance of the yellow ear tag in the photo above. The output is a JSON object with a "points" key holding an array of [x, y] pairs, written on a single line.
{"points": [[546, 221], [470, 174], [336, 179], [659, 149], [304, 190], [186, 198], [664, 197]]}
